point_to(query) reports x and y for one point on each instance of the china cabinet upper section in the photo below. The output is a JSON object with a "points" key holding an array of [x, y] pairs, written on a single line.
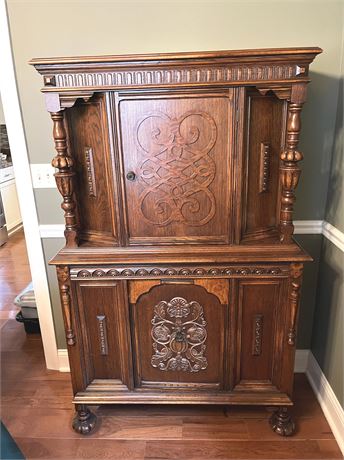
{"points": [[187, 148]]}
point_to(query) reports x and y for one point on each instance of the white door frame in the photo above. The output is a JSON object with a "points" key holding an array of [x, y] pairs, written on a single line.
{"points": [[16, 135]]}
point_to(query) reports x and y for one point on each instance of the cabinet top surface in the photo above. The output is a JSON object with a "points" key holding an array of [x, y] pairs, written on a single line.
{"points": [[254, 54]]}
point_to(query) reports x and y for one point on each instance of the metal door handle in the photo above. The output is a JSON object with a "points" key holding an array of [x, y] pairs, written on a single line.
{"points": [[131, 176]]}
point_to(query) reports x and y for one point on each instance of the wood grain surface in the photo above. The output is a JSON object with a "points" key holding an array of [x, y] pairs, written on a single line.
{"points": [[37, 410]]}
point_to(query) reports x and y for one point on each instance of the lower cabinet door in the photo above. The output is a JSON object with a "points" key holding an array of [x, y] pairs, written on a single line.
{"points": [[258, 332], [179, 334], [104, 332]]}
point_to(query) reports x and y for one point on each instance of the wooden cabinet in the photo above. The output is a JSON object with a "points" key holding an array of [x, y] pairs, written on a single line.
{"points": [[180, 279]]}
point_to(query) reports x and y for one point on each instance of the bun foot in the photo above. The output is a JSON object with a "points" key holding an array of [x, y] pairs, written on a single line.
{"points": [[282, 423], [84, 420]]}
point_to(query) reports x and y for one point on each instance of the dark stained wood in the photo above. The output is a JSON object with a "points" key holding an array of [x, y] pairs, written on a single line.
{"points": [[279, 52], [193, 356], [181, 187], [264, 132], [180, 279], [103, 313], [289, 170], [93, 167], [36, 408], [257, 346], [65, 177]]}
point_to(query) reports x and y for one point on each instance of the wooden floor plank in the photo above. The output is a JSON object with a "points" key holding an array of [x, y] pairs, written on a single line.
{"points": [[86, 448], [195, 450]]}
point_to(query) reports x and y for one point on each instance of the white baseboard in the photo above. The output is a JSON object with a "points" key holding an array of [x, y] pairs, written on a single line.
{"points": [[52, 231], [328, 401], [308, 227], [63, 361], [15, 228], [301, 360], [334, 235]]}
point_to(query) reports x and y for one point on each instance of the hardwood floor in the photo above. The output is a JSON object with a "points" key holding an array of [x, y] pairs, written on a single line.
{"points": [[36, 409]]}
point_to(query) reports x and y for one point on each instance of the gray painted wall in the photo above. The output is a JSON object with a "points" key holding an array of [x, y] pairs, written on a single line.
{"points": [[53, 28]]}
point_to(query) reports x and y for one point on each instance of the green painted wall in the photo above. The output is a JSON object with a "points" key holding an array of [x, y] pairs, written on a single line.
{"points": [[50, 248], [42, 28], [328, 329], [335, 198], [312, 244]]}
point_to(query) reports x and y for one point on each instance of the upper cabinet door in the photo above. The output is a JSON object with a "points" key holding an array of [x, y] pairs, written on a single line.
{"points": [[176, 167]]}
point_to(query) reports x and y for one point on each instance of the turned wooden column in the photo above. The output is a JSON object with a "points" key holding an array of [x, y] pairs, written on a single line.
{"points": [[294, 300], [65, 178], [64, 284], [289, 169]]}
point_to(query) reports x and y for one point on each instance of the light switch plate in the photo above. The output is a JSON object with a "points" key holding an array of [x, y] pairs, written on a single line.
{"points": [[43, 175]]}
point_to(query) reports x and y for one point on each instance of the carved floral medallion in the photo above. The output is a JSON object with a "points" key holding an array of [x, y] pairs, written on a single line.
{"points": [[179, 335]]}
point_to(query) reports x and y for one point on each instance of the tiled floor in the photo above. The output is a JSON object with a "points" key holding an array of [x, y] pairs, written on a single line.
{"points": [[37, 411]]}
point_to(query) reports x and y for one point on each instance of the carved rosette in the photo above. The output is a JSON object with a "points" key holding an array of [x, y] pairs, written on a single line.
{"points": [[178, 272], [179, 335], [294, 298], [65, 178], [64, 284], [289, 169]]}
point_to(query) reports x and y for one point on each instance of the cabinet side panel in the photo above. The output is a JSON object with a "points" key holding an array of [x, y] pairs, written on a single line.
{"points": [[98, 306], [88, 135], [258, 302], [264, 139]]}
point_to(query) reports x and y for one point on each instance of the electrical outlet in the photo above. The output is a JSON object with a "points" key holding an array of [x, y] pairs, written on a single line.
{"points": [[43, 175]]}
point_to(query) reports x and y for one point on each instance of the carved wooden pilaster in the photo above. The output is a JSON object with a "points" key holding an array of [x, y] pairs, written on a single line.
{"points": [[64, 283], [289, 169], [294, 298], [65, 179]]}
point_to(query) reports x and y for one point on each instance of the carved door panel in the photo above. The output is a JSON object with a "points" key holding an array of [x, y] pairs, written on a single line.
{"points": [[176, 168], [179, 335], [259, 328], [104, 332]]}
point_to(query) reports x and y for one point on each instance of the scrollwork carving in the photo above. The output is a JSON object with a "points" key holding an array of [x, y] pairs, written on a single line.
{"points": [[177, 170], [179, 335]]}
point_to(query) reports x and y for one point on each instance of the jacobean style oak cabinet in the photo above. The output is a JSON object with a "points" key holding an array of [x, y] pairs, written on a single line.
{"points": [[180, 278]]}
